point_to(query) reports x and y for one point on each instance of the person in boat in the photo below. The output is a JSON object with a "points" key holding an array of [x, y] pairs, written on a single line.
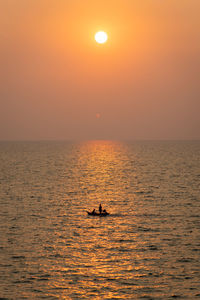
{"points": [[93, 212], [104, 211], [100, 208]]}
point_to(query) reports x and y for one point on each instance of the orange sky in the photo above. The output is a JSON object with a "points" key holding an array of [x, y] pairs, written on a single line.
{"points": [[56, 82]]}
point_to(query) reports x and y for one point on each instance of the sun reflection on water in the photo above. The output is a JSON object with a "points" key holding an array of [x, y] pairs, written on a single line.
{"points": [[101, 164], [101, 253]]}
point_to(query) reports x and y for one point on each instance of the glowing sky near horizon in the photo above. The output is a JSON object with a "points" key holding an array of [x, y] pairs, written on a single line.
{"points": [[142, 84]]}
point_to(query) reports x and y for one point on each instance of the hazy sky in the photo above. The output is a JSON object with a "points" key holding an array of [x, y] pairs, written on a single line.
{"points": [[56, 82]]}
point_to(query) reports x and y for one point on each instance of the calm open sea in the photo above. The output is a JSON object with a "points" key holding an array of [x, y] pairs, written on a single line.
{"points": [[148, 248]]}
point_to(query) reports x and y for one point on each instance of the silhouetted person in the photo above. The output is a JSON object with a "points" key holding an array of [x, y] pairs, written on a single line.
{"points": [[93, 212], [100, 208]]}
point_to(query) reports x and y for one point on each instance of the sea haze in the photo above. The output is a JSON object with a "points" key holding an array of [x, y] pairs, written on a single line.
{"points": [[147, 248]]}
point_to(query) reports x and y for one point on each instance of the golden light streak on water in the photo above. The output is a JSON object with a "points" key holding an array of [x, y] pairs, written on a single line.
{"points": [[102, 165]]}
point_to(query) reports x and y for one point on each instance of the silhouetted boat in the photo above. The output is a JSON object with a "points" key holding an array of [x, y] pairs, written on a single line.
{"points": [[103, 214]]}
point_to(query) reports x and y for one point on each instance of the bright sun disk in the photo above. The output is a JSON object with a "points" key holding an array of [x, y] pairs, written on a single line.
{"points": [[101, 37]]}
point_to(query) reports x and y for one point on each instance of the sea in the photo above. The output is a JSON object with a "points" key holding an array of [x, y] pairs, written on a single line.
{"points": [[147, 248]]}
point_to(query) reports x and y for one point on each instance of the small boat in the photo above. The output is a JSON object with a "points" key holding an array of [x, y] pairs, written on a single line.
{"points": [[103, 214]]}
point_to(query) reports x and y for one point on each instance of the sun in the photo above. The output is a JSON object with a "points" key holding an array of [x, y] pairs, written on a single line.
{"points": [[101, 37]]}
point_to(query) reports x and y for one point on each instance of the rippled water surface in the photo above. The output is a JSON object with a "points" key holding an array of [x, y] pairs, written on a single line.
{"points": [[147, 248]]}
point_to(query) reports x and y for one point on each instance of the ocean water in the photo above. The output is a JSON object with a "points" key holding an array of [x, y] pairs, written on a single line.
{"points": [[147, 248]]}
